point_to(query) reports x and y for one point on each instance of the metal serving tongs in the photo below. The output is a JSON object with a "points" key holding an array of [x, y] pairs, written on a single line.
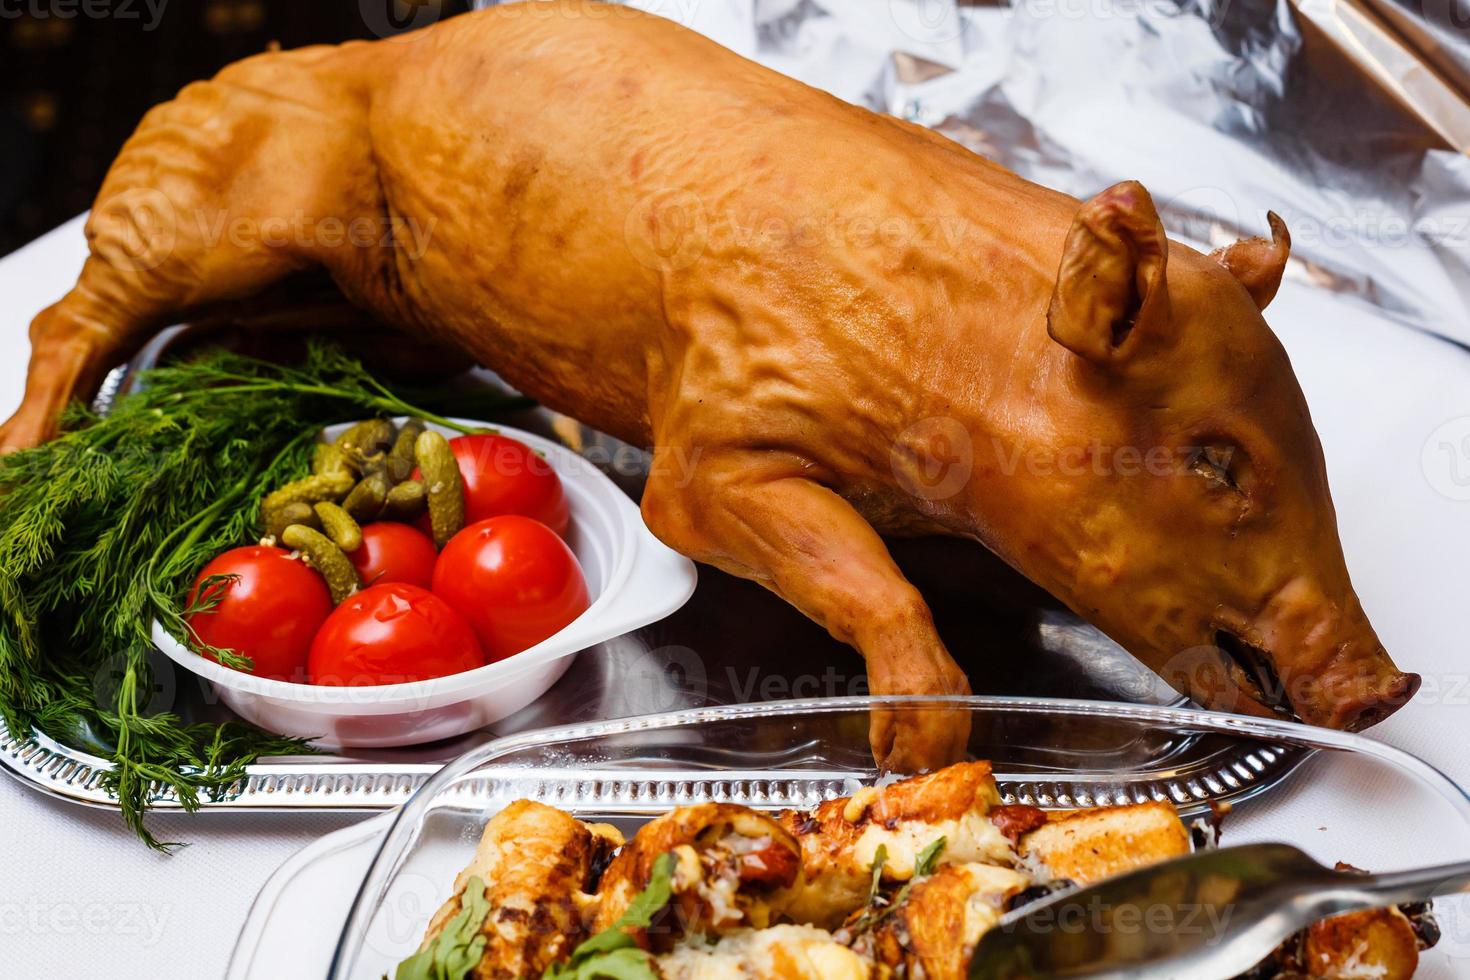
{"points": [[1208, 915]]}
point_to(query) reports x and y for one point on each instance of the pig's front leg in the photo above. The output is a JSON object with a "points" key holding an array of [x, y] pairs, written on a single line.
{"points": [[757, 515]]}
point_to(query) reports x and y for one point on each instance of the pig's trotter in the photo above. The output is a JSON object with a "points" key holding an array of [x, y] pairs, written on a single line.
{"points": [[75, 341], [749, 514], [68, 353], [914, 738]]}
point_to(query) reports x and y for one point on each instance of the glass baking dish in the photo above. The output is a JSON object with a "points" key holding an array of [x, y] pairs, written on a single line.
{"points": [[1348, 797]]}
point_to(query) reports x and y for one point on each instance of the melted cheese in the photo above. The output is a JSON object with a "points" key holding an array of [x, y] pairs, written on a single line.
{"points": [[719, 894], [688, 872], [986, 902]]}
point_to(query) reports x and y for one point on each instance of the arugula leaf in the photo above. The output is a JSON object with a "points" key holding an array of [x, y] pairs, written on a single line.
{"points": [[924, 866], [613, 954], [630, 963], [929, 858], [457, 950]]}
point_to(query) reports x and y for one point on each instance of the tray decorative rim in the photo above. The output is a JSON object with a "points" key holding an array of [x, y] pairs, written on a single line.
{"points": [[298, 783], [77, 776]]}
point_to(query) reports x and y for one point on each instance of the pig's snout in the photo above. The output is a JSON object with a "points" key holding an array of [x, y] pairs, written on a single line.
{"points": [[1307, 657], [1386, 693]]}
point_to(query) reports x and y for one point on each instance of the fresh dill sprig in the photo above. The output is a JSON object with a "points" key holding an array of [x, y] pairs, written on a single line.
{"points": [[102, 531]]}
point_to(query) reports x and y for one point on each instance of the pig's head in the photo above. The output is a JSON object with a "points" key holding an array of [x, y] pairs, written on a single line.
{"points": [[1199, 531]]}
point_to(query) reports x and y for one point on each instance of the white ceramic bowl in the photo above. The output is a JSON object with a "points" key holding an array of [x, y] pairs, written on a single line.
{"points": [[633, 579]]}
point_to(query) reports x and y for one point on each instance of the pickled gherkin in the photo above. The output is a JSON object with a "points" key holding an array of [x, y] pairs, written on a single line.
{"points": [[326, 558], [276, 521], [338, 525], [445, 486], [366, 438], [402, 459], [309, 490], [407, 501], [374, 465], [327, 458], [365, 502]]}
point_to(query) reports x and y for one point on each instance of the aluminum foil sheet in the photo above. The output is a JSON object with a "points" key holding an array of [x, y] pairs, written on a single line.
{"points": [[1349, 118]]}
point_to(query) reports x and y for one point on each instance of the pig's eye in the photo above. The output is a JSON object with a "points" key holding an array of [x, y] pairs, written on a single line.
{"points": [[1214, 464]]}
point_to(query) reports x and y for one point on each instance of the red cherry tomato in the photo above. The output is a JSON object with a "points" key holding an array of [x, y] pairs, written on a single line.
{"points": [[505, 476], [393, 552], [269, 613], [514, 579], [392, 634]]}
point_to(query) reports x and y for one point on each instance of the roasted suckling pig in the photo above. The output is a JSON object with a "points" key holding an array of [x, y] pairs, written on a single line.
{"points": [[828, 324]]}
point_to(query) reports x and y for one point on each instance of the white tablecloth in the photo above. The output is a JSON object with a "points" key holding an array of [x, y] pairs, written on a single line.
{"points": [[79, 895]]}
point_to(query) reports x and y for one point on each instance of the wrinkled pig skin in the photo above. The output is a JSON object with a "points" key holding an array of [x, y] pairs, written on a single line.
{"points": [[829, 324]]}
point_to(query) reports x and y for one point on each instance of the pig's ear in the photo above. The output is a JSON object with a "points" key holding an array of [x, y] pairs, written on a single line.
{"points": [[1259, 263], [1110, 293]]}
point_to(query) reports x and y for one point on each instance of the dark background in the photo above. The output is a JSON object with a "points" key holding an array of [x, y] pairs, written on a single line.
{"points": [[77, 75]]}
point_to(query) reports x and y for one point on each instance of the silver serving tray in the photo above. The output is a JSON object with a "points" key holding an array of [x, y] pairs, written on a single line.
{"points": [[732, 643]]}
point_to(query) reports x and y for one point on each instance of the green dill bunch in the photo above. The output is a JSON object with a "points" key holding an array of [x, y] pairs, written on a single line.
{"points": [[103, 529]]}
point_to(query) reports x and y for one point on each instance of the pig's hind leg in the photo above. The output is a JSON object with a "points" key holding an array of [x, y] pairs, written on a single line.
{"points": [[758, 515], [213, 198]]}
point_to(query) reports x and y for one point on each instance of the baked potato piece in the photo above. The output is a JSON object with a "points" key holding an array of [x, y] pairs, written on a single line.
{"points": [[840, 839], [537, 865], [1085, 846], [1378, 943], [931, 932], [729, 863]]}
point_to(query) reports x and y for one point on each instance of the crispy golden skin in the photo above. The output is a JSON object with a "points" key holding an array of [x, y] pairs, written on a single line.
{"points": [[730, 861], [840, 839], [829, 324], [536, 863]]}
